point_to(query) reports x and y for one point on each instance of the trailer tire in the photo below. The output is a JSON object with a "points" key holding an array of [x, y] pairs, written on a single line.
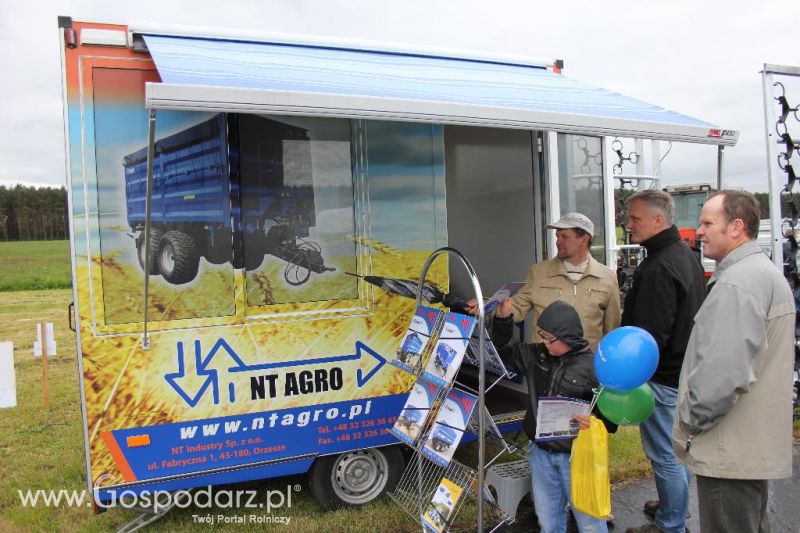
{"points": [[218, 256], [155, 243], [355, 478], [178, 261]]}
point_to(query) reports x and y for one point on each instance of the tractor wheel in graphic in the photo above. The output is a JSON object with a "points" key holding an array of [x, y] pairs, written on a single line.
{"points": [[178, 260], [155, 242]]}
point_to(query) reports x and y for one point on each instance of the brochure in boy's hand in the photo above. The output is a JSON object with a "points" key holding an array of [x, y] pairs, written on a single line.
{"points": [[554, 418], [444, 362], [506, 291], [419, 333], [449, 426], [441, 506], [411, 419]]}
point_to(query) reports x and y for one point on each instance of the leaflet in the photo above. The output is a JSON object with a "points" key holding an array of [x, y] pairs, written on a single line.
{"points": [[554, 418], [423, 326], [506, 291], [449, 426], [446, 358], [444, 501], [415, 412]]}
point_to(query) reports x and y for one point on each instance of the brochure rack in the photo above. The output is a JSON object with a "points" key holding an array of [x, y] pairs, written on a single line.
{"points": [[433, 490]]}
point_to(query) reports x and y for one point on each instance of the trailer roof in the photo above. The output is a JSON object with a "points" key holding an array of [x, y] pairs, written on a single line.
{"points": [[269, 77]]}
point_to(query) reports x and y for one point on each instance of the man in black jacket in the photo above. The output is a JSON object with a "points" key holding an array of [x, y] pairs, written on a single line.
{"points": [[668, 289], [562, 365]]}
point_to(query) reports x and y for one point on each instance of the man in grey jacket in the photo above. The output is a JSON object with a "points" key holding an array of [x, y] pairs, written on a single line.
{"points": [[733, 422]]}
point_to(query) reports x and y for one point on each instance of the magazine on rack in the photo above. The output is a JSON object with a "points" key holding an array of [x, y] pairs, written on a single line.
{"points": [[445, 360], [412, 418], [449, 426], [419, 333], [441, 506]]}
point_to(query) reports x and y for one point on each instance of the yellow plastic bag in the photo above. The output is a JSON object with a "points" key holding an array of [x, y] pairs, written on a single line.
{"points": [[591, 485]]}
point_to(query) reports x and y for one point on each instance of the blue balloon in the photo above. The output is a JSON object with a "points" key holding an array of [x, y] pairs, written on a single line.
{"points": [[626, 358]]}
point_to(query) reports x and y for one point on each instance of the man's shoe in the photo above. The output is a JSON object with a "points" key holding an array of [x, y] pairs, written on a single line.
{"points": [[650, 508], [647, 528]]}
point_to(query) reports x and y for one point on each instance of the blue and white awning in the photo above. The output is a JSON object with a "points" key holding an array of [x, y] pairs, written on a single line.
{"points": [[278, 78]]}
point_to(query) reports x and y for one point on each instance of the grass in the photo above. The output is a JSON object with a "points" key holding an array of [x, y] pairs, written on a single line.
{"points": [[43, 448], [34, 265]]}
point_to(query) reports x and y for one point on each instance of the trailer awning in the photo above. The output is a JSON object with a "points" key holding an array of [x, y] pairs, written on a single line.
{"points": [[277, 78]]}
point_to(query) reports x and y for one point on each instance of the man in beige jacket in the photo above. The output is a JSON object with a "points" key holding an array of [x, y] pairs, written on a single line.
{"points": [[575, 277], [733, 422]]}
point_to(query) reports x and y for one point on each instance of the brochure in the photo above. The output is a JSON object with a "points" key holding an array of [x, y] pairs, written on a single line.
{"points": [[506, 291], [554, 418], [412, 418], [448, 428], [441, 506], [419, 333], [445, 360]]}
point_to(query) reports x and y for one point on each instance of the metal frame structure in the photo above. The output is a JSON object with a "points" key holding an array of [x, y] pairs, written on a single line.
{"points": [[476, 286], [774, 173]]}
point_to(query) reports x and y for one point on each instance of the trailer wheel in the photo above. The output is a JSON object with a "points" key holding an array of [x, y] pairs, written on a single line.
{"points": [[155, 242], [219, 253], [178, 260], [355, 478]]}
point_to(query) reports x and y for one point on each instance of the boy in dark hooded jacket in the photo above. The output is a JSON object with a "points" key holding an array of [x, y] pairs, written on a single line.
{"points": [[562, 365]]}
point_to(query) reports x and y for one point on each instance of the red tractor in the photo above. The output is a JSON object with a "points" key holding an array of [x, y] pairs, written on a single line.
{"points": [[689, 200]]}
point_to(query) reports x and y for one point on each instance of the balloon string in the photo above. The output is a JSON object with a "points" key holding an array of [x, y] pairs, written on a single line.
{"points": [[597, 392]]}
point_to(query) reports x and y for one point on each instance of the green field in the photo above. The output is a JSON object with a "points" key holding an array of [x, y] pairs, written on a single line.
{"points": [[34, 265]]}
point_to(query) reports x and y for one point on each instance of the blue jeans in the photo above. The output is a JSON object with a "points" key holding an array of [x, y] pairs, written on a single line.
{"points": [[672, 478], [550, 480]]}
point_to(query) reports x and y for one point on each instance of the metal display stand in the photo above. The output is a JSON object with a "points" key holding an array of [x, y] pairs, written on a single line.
{"points": [[422, 475]]}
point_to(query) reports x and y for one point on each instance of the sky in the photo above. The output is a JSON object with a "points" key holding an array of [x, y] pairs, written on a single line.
{"points": [[699, 58]]}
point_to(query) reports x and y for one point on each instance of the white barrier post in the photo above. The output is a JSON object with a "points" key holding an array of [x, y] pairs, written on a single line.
{"points": [[46, 340], [8, 380], [45, 384]]}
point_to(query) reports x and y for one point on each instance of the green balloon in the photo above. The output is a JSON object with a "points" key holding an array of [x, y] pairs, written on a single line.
{"points": [[627, 408]]}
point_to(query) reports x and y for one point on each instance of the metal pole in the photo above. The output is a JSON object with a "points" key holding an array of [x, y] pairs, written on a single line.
{"points": [[772, 172], [481, 361], [151, 142], [720, 166], [609, 206]]}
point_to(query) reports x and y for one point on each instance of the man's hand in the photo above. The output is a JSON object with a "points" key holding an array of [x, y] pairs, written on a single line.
{"points": [[505, 309], [582, 420], [472, 307]]}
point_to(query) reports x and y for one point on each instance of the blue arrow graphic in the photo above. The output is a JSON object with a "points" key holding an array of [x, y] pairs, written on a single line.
{"points": [[174, 379]]}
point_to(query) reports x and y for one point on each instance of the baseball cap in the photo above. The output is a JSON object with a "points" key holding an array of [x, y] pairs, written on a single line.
{"points": [[573, 220]]}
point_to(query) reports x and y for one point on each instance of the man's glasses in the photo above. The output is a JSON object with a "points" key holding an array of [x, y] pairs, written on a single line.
{"points": [[546, 337]]}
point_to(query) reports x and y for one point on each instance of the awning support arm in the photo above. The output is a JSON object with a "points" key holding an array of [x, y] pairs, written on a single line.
{"points": [[148, 208]]}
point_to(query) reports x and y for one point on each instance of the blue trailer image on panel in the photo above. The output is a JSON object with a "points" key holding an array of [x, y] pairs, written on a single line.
{"points": [[409, 418], [412, 347], [197, 192], [443, 437], [444, 356]]}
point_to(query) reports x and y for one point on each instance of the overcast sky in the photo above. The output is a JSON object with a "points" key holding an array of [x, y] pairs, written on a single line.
{"points": [[700, 58]]}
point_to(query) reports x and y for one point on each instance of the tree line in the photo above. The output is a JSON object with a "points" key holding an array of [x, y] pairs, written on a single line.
{"points": [[40, 213], [33, 213]]}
